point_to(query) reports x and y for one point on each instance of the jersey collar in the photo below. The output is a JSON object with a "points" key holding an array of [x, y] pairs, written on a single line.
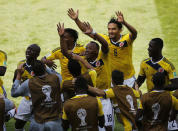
{"points": [[157, 61], [117, 41]]}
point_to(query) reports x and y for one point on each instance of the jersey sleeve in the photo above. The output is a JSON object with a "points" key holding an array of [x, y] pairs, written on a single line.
{"points": [[54, 55], [100, 108], [141, 72], [128, 38], [64, 116], [109, 93], [3, 58], [137, 95], [172, 72], [93, 75], [174, 102]]}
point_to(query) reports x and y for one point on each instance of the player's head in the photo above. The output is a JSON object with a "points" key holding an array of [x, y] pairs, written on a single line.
{"points": [[158, 80], [117, 77], [74, 67], [71, 36], [92, 50], [155, 47], [33, 51], [81, 85], [114, 28], [39, 68], [3, 60]]}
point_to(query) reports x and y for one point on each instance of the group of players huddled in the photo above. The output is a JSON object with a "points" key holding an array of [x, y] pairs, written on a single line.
{"points": [[96, 83]]}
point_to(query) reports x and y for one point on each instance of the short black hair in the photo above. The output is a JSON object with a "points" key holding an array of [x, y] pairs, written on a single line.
{"points": [[72, 32], [118, 77], [36, 48], [97, 45], [81, 84], [158, 42], [115, 21], [159, 79], [74, 67], [38, 67]]}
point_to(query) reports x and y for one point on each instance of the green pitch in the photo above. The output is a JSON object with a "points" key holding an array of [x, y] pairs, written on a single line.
{"points": [[25, 22]]}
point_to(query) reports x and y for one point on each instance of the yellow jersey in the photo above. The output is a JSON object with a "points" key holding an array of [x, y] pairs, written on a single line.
{"points": [[102, 68], [120, 54], [3, 60], [57, 54], [148, 68]]}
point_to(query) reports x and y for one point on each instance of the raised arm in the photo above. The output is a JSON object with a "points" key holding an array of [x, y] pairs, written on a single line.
{"points": [[74, 16], [19, 89], [133, 31], [101, 40]]}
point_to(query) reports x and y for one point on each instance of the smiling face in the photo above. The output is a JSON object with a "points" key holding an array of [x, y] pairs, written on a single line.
{"points": [[70, 40], [113, 31], [32, 52]]}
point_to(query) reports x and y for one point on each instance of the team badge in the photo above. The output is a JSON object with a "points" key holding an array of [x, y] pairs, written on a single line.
{"points": [[161, 70], [121, 44]]}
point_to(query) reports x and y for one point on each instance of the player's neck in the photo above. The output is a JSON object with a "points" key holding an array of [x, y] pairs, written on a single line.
{"points": [[30, 61], [117, 38], [157, 58]]}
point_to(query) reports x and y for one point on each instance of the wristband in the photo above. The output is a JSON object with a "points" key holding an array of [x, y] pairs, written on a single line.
{"points": [[93, 32]]}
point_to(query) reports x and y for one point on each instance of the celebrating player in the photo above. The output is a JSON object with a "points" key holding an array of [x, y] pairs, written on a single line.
{"points": [[120, 46]]}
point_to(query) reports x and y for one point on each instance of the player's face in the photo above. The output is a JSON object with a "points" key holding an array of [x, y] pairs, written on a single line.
{"points": [[152, 49], [91, 51], [113, 30], [70, 40], [31, 53]]}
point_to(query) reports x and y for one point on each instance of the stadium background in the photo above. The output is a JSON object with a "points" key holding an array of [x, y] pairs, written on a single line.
{"points": [[23, 22]]}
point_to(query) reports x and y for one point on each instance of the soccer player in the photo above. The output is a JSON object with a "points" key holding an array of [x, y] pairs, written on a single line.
{"points": [[120, 46], [128, 99], [45, 94], [74, 68], [156, 63], [71, 36], [82, 112], [157, 105], [24, 111], [3, 60], [99, 60]]}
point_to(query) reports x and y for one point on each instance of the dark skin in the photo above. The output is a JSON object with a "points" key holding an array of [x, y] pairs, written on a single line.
{"points": [[70, 45], [2, 70], [31, 55], [113, 30], [155, 52]]}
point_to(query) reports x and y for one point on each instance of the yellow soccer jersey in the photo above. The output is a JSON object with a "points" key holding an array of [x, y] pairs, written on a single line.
{"points": [[110, 94], [3, 60], [27, 74], [57, 54], [148, 69], [120, 54], [100, 107], [102, 68]]}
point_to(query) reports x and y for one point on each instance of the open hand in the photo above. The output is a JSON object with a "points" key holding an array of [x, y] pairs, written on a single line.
{"points": [[73, 15], [120, 17], [88, 28], [60, 29]]}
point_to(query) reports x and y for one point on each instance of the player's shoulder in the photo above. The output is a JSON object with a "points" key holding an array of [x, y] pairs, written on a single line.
{"points": [[21, 62], [3, 53], [79, 46], [165, 60], [146, 60], [56, 49]]}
